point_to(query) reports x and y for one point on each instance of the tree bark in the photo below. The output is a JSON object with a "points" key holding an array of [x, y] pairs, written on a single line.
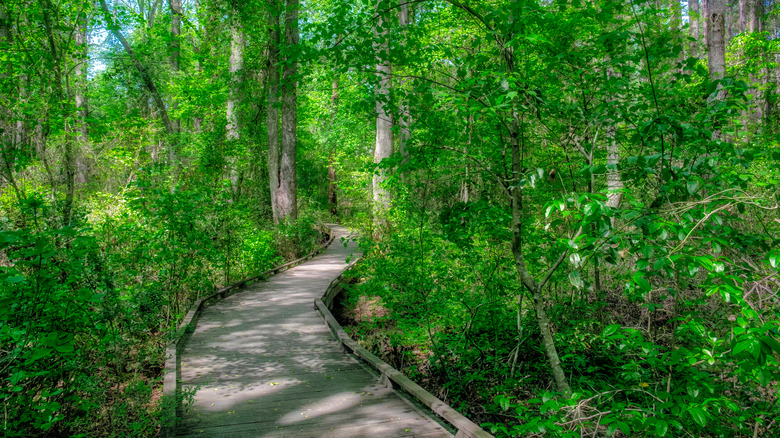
{"points": [[236, 67], [705, 13], [287, 195], [744, 6], [405, 121], [80, 88], [614, 181], [517, 143], [543, 321], [693, 26], [716, 39], [756, 15], [176, 14], [384, 122], [152, 13], [272, 111], [333, 203]]}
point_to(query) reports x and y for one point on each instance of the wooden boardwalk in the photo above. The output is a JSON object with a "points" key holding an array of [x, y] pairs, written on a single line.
{"points": [[262, 363]]}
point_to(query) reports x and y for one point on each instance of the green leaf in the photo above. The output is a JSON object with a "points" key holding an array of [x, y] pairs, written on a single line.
{"points": [[750, 345], [772, 343], [693, 388], [698, 415], [15, 279], [692, 186], [610, 330], [40, 353], [576, 280], [65, 348], [661, 427]]}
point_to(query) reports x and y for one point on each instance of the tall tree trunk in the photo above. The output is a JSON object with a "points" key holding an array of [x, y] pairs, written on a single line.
{"points": [[705, 13], [272, 111], [464, 193], [333, 203], [236, 68], [405, 119], [152, 13], [535, 288], [716, 39], [176, 15], [744, 7], [756, 15], [80, 88], [614, 182], [384, 122], [517, 143], [287, 195], [693, 21]]}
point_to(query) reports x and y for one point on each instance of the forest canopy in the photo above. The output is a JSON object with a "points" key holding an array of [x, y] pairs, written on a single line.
{"points": [[569, 208]]}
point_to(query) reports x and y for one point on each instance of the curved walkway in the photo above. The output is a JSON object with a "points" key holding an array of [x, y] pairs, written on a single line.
{"points": [[262, 363]]}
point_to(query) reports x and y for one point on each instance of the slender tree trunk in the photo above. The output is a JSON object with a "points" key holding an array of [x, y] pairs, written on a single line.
{"points": [[693, 21], [743, 14], [287, 195], [236, 68], [705, 13], [756, 15], [384, 122], [464, 194], [716, 39], [405, 120], [614, 182], [176, 15], [517, 143], [152, 13], [272, 115], [333, 202], [80, 88], [543, 321]]}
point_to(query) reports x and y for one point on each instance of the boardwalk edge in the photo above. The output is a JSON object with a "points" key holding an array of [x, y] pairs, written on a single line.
{"points": [[466, 428], [171, 382]]}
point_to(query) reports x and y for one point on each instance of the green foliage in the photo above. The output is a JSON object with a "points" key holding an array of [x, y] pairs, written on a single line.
{"points": [[660, 306]]}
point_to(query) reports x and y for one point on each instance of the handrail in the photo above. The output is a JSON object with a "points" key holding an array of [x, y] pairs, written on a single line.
{"points": [[170, 379], [391, 376]]}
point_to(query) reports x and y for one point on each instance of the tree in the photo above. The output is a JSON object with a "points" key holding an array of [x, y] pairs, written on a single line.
{"points": [[272, 116], [287, 193], [694, 16], [383, 147], [236, 67], [716, 38]]}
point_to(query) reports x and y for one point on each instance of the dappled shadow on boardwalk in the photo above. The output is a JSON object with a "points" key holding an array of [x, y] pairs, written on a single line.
{"points": [[262, 363]]}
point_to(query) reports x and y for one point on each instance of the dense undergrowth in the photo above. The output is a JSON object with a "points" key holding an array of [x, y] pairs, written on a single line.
{"points": [[87, 309], [677, 334]]}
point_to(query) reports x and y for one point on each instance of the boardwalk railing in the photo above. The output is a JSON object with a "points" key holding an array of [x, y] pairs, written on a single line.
{"points": [[391, 376], [171, 378]]}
